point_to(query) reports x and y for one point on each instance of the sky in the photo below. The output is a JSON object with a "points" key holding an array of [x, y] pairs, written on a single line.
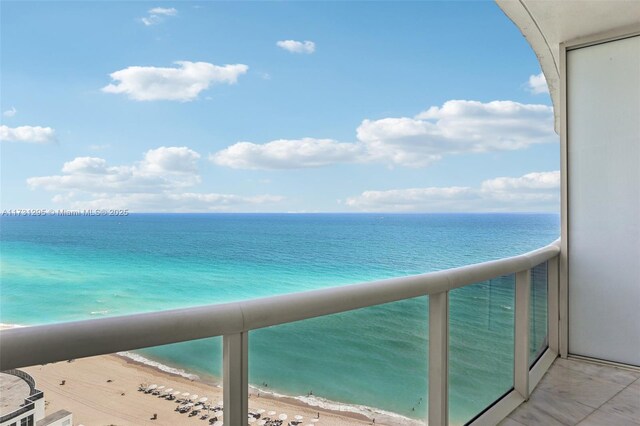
{"points": [[273, 106]]}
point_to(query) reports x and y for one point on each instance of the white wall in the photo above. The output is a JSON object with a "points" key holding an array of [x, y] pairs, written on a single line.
{"points": [[603, 154]]}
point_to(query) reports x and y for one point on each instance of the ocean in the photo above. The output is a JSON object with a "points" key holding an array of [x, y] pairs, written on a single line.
{"points": [[372, 360]]}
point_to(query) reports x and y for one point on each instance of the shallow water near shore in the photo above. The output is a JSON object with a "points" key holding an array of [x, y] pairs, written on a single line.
{"points": [[68, 268]]}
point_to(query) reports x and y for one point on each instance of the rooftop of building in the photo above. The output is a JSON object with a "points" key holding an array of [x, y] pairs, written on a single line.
{"points": [[13, 392]]}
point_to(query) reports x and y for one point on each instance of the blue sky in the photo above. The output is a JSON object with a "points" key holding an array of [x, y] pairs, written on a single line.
{"points": [[273, 106]]}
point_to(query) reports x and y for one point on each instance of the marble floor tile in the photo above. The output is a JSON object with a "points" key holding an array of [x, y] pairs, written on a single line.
{"points": [[510, 422], [625, 404], [565, 383], [601, 372], [530, 415], [600, 418], [567, 411]]}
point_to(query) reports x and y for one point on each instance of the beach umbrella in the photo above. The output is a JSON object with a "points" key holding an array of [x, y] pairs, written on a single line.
{"points": [[298, 417], [168, 390], [262, 422], [271, 413], [218, 423], [260, 411], [252, 420], [193, 397], [160, 387], [176, 393], [283, 416], [186, 394], [152, 387], [203, 399]]}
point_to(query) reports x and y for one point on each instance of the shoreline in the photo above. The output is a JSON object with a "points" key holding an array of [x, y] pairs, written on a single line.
{"points": [[254, 393]]}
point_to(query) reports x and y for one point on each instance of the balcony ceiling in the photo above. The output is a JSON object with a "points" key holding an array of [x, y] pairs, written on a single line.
{"points": [[546, 24]]}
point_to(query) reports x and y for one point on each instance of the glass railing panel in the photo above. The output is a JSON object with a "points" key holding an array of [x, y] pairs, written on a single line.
{"points": [[538, 316], [369, 362], [481, 346], [110, 389]]}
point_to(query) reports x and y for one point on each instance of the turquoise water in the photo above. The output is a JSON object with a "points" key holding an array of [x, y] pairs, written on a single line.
{"points": [[68, 268]]}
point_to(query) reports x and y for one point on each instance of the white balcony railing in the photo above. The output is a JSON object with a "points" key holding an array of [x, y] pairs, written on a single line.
{"points": [[22, 347]]}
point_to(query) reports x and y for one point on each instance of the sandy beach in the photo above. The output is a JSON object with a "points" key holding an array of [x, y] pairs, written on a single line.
{"points": [[103, 390]]}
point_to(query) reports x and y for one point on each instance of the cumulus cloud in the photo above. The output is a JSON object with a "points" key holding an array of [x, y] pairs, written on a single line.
{"points": [[287, 154], [157, 15], [412, 199], [456, 127], [538, 191], [30, 134], [159, 182], [10, 112], [182, 83], [294, 46], [537, 84]]}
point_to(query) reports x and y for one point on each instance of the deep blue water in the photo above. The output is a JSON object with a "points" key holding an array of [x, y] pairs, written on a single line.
{"points": [[67, 268]]}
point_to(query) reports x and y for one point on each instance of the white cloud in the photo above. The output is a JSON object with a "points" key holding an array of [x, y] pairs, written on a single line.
{"points": [[286, 154], [294, 46], [412, 199], [182, 83], [537, 84], [457, 127], [159, 182], [10, 112], [538, 191], [32, 134], [157, 15], [530, 181], [166, 11]]}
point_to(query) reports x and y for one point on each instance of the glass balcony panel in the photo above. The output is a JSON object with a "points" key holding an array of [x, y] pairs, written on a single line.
{"points": [[538, 316], [481, 346], [134, 387], [373, 357]]}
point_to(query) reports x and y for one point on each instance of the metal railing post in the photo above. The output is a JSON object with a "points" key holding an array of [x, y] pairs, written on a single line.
{"points": [[235, 378], [521, 355], [439, 359]]}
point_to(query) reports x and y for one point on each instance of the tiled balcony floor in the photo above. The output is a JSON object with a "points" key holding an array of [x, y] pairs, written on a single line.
{"points": [[576, 392]]}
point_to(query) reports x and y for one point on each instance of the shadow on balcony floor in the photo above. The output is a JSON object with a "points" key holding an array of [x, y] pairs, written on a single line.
{"points": [[576, 392]]}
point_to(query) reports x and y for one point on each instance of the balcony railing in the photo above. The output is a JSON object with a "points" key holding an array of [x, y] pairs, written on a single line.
{"points": [[42, 344]]}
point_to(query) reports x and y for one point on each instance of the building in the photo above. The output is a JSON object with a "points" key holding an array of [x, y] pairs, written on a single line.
{"points": [[21, 404]]}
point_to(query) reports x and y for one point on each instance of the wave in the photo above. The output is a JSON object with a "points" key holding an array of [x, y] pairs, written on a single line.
{"points": [[157, 365], [104, 312], [381, 416], [4, 326]]}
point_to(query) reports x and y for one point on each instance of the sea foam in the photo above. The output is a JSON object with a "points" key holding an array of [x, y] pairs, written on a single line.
{"points": [[162, 367]]}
